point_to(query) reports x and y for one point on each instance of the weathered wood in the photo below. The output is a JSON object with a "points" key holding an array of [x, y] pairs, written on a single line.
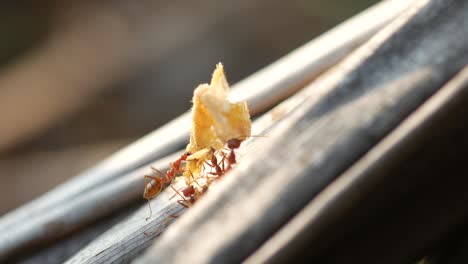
{"points": [[346, 113], [125, 240], [69, 245], [98, 252], [411, 209], [119, 244], [283, 77], [271, 85], [328, 216], [122, 191], [77, 212]]}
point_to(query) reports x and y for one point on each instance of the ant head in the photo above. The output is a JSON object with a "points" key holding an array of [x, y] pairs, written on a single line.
{"points": [[188, 191], [234, 143]]}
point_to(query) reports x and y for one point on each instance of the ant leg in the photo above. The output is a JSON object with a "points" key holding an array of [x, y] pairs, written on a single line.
{"points": [[215, 175], [208, 179], [151, 211], [184, 203], [193, 179], [223, 161], [213, 167], [151, 177], [210, 165], [177, 192], [156, 170]]}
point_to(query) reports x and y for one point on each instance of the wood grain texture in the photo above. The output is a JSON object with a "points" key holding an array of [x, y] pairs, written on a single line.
{"points": [[284, 77], [128, 238], [346, 112], [404, 162], [122, 236], [75, 213]]}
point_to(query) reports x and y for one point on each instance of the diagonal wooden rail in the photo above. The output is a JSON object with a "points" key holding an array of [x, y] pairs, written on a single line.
{"points": [[404, 92], [379, 173], [346, 113], [272, 84], [262, 90], [135, 233]]}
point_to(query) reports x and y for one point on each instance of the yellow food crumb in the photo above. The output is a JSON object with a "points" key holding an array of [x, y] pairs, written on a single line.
{"points": [[215, 120]]}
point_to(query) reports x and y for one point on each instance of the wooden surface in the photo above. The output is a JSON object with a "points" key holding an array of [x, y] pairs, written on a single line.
{"points": [[125, 240], [345, 113], [128, 238], [406, 162], [309, 139], [284, 77], [97, 251]]}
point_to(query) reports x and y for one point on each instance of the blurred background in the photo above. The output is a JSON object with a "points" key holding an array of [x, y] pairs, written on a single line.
{"points": [[81, 79]]}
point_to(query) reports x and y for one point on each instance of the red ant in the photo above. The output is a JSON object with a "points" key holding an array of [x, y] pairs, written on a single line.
{"points": [[230, 158], [219, 171], [214, 164], [190, 194], [156, 184], [175, 166], [232, 144]]}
